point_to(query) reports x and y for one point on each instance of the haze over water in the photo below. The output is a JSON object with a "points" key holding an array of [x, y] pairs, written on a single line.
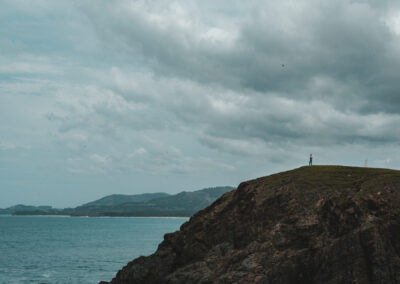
{"points": [[44, 249]]}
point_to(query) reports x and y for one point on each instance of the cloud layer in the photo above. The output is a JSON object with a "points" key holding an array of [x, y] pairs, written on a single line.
{"points": [[199, 91]]}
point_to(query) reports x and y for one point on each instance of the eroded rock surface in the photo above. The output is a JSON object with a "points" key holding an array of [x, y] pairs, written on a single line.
{"points": [[319, 224]]}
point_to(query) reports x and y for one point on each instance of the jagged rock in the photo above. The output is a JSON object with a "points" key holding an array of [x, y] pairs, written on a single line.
{"points": [[323, 224]]}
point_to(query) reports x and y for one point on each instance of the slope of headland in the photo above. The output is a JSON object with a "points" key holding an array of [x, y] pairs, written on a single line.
{"points": [[319, 224]]}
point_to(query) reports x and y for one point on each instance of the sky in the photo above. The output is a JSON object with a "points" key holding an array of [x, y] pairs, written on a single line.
{"points": [[127, 97]]}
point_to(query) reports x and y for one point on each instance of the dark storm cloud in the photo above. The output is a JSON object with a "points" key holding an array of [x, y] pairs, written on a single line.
{"points": [[345, 41], [313, 72]]}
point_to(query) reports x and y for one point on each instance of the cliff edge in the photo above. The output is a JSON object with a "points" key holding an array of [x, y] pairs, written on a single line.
{"points": [[319, 224]]}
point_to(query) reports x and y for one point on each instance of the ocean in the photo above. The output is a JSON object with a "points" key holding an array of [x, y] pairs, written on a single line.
{"points": [[56, 249]]}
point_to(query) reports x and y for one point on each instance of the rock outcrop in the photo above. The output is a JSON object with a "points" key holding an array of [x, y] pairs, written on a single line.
{"points": [[319, 224]]}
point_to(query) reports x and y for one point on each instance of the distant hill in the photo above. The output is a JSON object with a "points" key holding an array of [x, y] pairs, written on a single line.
{"points": [[4, 211], [181, 204], [17, 209], [117, 199], [148, 204], [196, 200]]}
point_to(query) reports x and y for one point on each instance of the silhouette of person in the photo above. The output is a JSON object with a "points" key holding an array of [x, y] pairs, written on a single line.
{"points": [[310, 162]]}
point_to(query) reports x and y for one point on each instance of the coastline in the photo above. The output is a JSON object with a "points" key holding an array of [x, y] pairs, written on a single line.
{"points": [[87, 216]]}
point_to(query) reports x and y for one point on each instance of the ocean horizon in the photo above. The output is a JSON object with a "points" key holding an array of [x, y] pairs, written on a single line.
{"points": [[64, 249]]}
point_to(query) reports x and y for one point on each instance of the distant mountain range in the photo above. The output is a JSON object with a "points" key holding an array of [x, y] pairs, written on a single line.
{"points": [[148, 204]]}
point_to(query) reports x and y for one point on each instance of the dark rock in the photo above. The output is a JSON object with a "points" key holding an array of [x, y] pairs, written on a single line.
{"points": [[309, 225]]}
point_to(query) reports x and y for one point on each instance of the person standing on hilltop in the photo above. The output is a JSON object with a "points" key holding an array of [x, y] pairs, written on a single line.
{"points": [[310, 162]]}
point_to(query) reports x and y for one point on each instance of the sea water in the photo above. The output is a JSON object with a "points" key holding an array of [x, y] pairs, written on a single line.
{"points": [[50, 249]]}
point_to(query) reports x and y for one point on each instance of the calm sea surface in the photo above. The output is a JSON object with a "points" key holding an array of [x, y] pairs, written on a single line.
{"points": [[44, 249]]}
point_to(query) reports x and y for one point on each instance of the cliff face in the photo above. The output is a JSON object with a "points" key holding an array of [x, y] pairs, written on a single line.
{"points": [[320, 224]]}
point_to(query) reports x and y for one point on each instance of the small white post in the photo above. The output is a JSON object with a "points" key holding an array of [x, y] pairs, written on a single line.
{"points": [[366, 164]]}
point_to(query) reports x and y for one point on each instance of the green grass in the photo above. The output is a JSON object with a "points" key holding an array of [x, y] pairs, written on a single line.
{"points": [[305, 180]]}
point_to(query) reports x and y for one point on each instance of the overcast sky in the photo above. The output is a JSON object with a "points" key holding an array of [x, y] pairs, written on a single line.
{"points": [[103, 97]]}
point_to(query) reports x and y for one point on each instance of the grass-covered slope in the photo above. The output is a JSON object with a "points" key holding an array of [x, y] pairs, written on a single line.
{"points": [[319, 224]]}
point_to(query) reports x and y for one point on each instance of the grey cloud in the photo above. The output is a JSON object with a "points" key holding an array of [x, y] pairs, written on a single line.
{"points": [[152, 157], [223, 113], [334, 62], [194, 92], [347, 42], [223, 82]]}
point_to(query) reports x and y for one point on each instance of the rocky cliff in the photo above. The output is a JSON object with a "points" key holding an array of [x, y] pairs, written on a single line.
{"points": [[319, 224]]}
